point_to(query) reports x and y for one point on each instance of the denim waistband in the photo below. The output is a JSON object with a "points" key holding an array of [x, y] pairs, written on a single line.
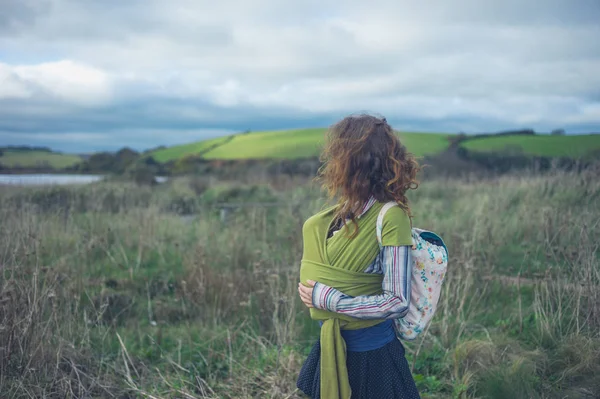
{"points": [[370, 338]]}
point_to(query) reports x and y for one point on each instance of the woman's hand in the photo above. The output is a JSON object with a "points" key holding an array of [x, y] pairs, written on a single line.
{"points": [[306, 293]]}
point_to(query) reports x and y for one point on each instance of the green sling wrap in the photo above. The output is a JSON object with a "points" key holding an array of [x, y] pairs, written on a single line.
{"points": [[339, 262]]}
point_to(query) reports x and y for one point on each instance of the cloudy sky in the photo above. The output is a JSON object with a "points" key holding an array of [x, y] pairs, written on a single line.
{"points": [[83, 75]]}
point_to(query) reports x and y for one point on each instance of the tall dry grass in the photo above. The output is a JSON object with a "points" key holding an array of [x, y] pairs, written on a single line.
{"points": [[106, 291]]}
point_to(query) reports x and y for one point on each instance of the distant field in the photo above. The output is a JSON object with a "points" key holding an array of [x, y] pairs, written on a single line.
{"points": [[286, 144], [28, 159], [180, 151], [541, 145]]}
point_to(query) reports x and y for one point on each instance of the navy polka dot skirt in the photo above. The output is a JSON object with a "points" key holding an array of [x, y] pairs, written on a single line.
{"points": [[376, 374]]}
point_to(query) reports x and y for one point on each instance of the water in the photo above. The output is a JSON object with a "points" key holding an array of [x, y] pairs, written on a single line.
{"points": [[54, 179]]}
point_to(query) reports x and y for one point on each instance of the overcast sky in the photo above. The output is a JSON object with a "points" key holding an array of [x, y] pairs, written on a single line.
{"points": [[83, 75]]}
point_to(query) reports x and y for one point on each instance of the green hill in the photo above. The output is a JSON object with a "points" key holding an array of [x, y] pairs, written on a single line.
{"points": [[542, 145], [288, 144], [32, 159], [183, 150]]}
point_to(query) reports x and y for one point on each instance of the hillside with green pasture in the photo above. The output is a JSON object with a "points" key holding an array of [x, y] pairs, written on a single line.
{"points": [[575, 146], [278, 144], [183, 150], [289, 144], [32, 159]]}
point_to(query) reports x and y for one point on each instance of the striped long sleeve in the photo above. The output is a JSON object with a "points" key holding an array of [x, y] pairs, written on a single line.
{"points": [[395, 264]]}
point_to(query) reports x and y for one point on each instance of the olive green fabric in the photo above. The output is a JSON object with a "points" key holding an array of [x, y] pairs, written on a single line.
{"points": [[339, 262], [396, 229]]}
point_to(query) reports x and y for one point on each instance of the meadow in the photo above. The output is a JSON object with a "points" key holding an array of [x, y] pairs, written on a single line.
{"points": [[290, 144], [304, 143], [114, 290], [30, 159], [549, 146]]}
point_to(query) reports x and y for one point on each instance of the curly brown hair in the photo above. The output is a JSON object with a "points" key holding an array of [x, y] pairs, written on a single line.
{"points": [[363, 157]]}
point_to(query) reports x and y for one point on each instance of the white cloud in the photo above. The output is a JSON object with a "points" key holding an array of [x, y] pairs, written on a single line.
{"points": [[65, 80], [588, 113], [509, 62], [69, 80], [10, 85]]}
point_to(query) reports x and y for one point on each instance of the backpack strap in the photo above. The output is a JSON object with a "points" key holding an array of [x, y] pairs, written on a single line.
{"points": [[382, 213]]}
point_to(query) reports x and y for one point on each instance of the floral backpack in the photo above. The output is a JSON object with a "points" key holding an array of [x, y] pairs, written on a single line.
{"points": [[429, 264]]}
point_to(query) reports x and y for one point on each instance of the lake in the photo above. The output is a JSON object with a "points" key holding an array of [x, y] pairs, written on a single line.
{"points": [[53, 179]]}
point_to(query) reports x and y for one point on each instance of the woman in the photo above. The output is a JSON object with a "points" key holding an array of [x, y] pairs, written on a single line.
{"points": [[353, 288]]}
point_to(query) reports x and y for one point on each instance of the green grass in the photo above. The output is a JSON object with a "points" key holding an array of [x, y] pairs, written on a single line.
{"points": [[303, 143], [289, 144], [30, 159], [281, 144], [541, 145], [106, 292], [422, 144], [183, 150]]}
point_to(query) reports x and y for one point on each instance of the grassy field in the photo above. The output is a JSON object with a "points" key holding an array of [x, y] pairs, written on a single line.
{"points": [[106, 291], [183, 150], [550, 146], [286, 144], [29, 159], [307, 143]]}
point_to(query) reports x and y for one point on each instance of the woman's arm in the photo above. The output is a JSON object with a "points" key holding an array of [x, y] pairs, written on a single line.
{"points": [[391, 304]]}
